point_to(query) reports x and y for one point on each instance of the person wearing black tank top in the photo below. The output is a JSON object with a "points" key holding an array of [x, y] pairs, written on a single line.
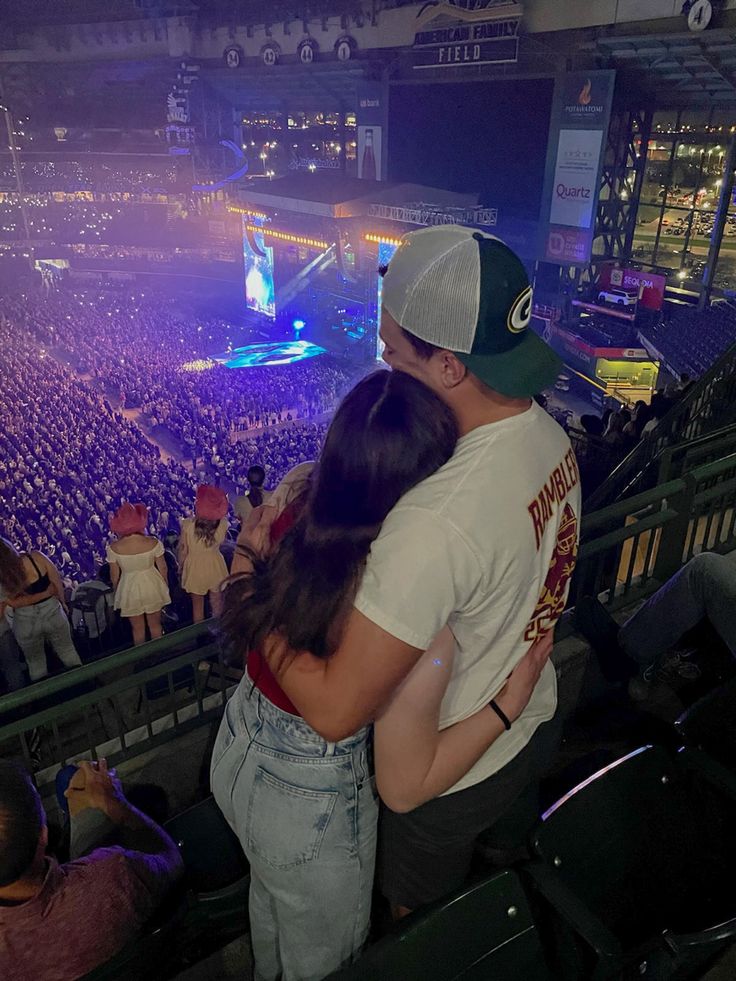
{"points": [[32, 593]]}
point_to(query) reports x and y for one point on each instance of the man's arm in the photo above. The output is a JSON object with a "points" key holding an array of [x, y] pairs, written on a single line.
{"points": [[414, 761], [418, 573], [340, 695], [94, 786]]}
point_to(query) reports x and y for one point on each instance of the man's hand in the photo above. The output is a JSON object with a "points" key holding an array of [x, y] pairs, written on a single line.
{"points": [[94, 785], [520, 684]]}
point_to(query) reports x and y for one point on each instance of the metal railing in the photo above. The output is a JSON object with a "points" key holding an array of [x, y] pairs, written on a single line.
{"points": [[120, 706], [629, 549], [131, 702], [709, 405]]}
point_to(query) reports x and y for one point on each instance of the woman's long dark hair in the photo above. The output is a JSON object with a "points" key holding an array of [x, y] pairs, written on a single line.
{"points": [[205, 528], [12, 573], [388, 434]]}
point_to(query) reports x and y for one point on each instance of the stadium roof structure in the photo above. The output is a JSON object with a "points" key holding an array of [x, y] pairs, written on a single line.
{"points": [[328, 194], [677, 70], [321, 87]]}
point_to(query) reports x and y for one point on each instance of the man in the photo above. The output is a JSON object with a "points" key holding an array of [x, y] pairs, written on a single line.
{"points": [[58, 922], [486, 545], [705, 587]]}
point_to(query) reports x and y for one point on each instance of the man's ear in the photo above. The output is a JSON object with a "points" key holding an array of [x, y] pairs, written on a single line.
{"points": [[452, 370]]}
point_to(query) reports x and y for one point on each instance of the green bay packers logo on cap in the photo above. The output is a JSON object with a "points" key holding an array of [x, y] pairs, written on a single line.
{"points": [[520, 314]]}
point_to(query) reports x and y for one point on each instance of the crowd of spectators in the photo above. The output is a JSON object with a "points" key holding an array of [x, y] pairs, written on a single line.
{"points": [[68, 456], [92, 175], [74, 222], [66, 461], [602, 441], [68, 221], [278, 450], [146, 353]]}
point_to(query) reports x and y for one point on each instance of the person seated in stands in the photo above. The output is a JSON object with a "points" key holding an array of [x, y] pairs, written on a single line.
{"points": [[614, 431], [592, 424], [58, 922], [704, 587], [639, 419], [659, 408]]}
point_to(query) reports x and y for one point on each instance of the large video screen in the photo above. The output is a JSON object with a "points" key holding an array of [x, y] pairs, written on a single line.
{"points": [[258, 272], [385, 254]]}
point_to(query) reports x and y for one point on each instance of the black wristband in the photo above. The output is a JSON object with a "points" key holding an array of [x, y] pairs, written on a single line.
{"points": [[500, 713]]}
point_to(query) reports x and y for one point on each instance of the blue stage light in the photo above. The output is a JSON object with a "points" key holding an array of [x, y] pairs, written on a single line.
{"points": [[298, 325]]}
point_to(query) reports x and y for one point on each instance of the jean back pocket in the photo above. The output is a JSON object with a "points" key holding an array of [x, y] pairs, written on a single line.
{"points": [[286, 823]]}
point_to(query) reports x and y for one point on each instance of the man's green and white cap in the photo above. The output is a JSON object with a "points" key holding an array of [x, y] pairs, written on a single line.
{"points": [[469, 293]]}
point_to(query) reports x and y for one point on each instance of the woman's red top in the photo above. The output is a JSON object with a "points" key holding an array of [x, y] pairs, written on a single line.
{"points": [[258, 670]]}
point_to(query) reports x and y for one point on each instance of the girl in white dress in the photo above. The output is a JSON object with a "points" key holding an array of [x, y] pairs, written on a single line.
{"points": [[203, 567], [138, 571]]}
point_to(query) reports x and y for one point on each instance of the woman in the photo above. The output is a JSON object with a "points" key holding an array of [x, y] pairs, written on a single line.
{"points": [[138, 572], [304, 809], [202, 564], [31, 586]]}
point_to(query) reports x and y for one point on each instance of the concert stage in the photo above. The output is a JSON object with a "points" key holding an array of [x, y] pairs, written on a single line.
{"points": [[262, 355]]}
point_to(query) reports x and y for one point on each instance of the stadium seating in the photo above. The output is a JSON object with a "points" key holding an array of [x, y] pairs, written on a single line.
{"points": [[485, 931], [638, 871], [691, 340], [708, 729], [216, 877]]}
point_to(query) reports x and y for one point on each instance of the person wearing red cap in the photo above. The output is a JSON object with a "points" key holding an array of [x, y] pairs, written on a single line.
{"points": [[138, 571], [203, 567]]}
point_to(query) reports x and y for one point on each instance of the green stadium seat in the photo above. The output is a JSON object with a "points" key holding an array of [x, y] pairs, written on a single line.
{"points": [[483, 933], [708, 730], [211, 851], [710, 725], [217, 877], [639, 872]]}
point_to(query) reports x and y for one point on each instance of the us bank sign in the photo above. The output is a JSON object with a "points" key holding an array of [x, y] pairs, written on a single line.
{"points": [[450, 35]]}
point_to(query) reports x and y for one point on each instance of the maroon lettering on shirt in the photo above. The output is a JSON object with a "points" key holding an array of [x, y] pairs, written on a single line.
{"points": [[555, 489]]}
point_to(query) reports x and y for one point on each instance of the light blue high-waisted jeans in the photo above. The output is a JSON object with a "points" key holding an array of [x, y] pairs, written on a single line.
{"points": [[305, 811]]}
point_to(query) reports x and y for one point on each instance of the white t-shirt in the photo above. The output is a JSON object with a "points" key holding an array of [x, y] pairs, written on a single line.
{"points": [[486, 545]]}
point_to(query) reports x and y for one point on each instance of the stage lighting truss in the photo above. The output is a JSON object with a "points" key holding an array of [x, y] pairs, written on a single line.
{"points": [[305, 240]]}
